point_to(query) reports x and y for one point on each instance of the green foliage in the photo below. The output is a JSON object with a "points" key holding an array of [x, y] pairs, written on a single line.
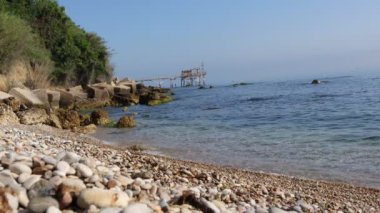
{"points": [[79, 57], [18, 42]]}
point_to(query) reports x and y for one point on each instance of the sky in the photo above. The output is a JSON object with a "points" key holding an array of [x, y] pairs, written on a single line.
{"points": [[241, 40]]}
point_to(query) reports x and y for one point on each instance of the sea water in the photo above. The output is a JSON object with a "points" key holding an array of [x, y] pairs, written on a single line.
{"points": [[329, 131]]}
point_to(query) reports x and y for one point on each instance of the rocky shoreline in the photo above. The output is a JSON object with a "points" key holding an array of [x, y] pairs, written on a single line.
{"points": [[44, 169]]}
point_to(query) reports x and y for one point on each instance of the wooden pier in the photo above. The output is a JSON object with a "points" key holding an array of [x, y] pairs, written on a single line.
{"points": [[188, 78]]}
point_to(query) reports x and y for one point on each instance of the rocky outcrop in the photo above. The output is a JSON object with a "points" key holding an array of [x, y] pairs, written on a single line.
{"points": [[316, 81], [69, 118], [33, 116], [126, 121], [26, 96], [100, 117], [7, 116]]}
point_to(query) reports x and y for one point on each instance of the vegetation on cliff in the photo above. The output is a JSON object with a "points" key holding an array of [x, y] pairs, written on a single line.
{"points": [[38, 36]]}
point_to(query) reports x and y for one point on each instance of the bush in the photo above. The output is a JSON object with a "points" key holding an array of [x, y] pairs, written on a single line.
{"points": [[19, 43]]}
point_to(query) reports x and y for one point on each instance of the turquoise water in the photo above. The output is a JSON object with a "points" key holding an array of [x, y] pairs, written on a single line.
{"points": [[329, 131]]}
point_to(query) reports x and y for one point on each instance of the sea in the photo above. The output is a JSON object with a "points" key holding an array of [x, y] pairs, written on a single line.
{"points": [[329, 131]]}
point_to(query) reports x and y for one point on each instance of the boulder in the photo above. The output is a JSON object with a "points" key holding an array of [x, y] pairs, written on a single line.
{"points": [[69, 118], [77, 92], [26, 96], [33, 116], [97, 93], [126, 121], [4, 96], [126, 100], [316, 81], [54, 121], [67, 100], [110, 88], [122, 90], [7, 116], [100, 117], [50, 98], [128, 83]]}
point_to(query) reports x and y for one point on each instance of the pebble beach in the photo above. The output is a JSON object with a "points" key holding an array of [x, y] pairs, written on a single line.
{"points": [[44, 169]]}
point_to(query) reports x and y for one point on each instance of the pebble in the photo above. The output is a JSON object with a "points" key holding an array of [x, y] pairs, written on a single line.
{"points": [[41, 204], [102, 198], [49, 160], [31, 181], [84, 170], [137, 208], [63, 166], [53, 209], [19, 168]]}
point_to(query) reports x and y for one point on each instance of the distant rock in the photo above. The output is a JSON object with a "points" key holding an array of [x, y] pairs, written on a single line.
{"points": [[316, 81]]}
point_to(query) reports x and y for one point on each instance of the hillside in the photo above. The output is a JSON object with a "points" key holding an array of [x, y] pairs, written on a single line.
{"points": [[40, 44]]}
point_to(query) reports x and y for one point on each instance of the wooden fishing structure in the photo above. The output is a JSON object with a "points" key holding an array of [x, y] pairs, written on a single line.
{"points": [[188, 78]]}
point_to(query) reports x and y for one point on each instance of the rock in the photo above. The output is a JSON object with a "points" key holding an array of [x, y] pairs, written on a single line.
{"points": [[63, 166], [305, 206], [20, 168], [4, 96], [41, 204], [70, 157], [137, 208], [316, 81], [33, 116], [110, 88], [276, 210], [7, 116], [8, 201], [26, 97], [129, 84], [50, 98], [97, 93], [111, 210], [42, 188], [126, 121], [102, 198], [71, 185], [49, 160], [122, 90], [23, 177], [31, 181], [7, 179], [91, 128], [84, 171], [54, 121], [53, 209], [69, 118], [100, 117], [67, 100]]}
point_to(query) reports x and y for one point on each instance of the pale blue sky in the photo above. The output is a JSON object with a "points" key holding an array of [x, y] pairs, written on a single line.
{"points": [[241, 40]]}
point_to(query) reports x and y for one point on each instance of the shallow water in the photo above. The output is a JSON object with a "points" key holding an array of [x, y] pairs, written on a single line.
{"points": [[329, 131]]}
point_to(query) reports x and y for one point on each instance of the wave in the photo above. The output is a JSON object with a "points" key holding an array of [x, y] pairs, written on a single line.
{"points": [[372, 138], [268, 98], [331, 95], [211, 108]]}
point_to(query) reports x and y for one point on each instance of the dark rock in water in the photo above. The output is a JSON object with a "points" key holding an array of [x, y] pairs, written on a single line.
{"points": [[242, 84], [316, 81], [100, 117], [126, 121], [69, 118]]}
